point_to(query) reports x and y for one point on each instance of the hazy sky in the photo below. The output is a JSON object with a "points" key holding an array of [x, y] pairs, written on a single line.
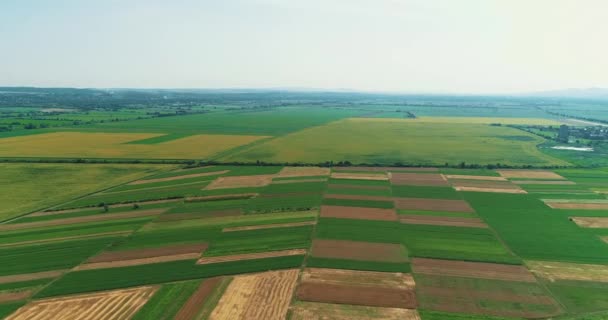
{"points": [[459, 46]]}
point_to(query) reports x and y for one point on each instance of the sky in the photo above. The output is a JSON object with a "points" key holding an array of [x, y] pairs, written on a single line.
{"points": [[411, 46]]}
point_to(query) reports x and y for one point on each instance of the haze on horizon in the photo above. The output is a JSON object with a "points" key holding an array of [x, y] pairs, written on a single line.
{"points": [[440, 46]]}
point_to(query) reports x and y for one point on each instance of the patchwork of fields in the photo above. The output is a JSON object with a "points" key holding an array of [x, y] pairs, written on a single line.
{"points": [[272, 242]]}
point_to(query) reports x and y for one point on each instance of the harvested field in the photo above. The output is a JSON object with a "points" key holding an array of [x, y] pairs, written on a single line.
{"points": [[383, 169], [191, 308], [433, 205], [468, 177], [358, 213], [359, 278], [569, 271], [442, 221], [270, 226], [580, 206], [240, 182], [358, 250], [520, 182], [298, 181], [591, 222], [480, 270], [109, 256], [94, 218], [258, 296], [221, 197], [359, 176], [31, 276], [137, 262], [117, 304], [495, 190], [530, 174], [358, 197], [186, 176], [15, 296], [485, 184], [251, 256], [303, 171], [190, 216], [358, 187], [418, 179], [328, 311]]}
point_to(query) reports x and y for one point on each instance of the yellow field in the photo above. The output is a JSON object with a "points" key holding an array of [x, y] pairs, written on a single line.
{"points": [[114, 145], [479, 120]]}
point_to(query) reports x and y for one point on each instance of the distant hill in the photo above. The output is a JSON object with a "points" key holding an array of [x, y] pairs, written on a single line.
{"points": [[584, 93]]}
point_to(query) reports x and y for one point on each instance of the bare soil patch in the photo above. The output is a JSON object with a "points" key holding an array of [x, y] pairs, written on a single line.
{"points": [[297, 181], [259, 296], [495, 190], [358, 213], [117, 304], [270, 226], [190, 309], [190, 216], [32, 276], [569, 271], [591, 222], [418, 179], [468, 177], [359, 278], [347, 294], [358, 197], [327, 311], [251, 256], [530, 174], [221, 197], [466, 269], [15, 296], [99, 217], [109, 256], [433, 205], [358, 250], [383, 169], [359, 176], [523, 182], [442, 221], [485, 184], [186, 176], [581, 206], [240, 182], [358, 187], [303, 171]]}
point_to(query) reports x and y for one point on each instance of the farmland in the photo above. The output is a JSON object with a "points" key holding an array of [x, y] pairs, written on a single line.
{"points": [[451, 214]]}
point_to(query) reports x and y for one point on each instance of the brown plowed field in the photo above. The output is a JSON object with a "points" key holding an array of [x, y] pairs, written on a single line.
{"points": [[359, 278], [303, 172], [442, 221], [297, 181], [359, 176], [495, 190], [258, 296], [467, 177], [530, 174], [418, 179], [15, 296], [190, 309], [433, 205], [240, 182], [581, 206], [383, 169], [186, 176], [108, 256], [357, 250], [466, 269], [591, 222], [189, 216], [250, 256], [358, 213], [326, 311], [354, 186], [357, 197], [569, 271], [543, 182], [137, 262], [117, 304], [99, 217], [221, 197], [31, 276], [349, 294], [270, 226]]}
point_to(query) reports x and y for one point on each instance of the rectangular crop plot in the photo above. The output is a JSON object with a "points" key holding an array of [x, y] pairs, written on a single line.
{"points": [[358, 213], [569, 271], [358, 250], [467, 269], [117, 304], [433, 205], [321, 311], [240, 182], [577, 205], [367, 288], [384, 169], [359, 176], [442, 221], [185, 176], [530, 174], [418, 179], [591, 222], [259, 296], [470, 177], [486, 186], [303, 171], [251, 256]]}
